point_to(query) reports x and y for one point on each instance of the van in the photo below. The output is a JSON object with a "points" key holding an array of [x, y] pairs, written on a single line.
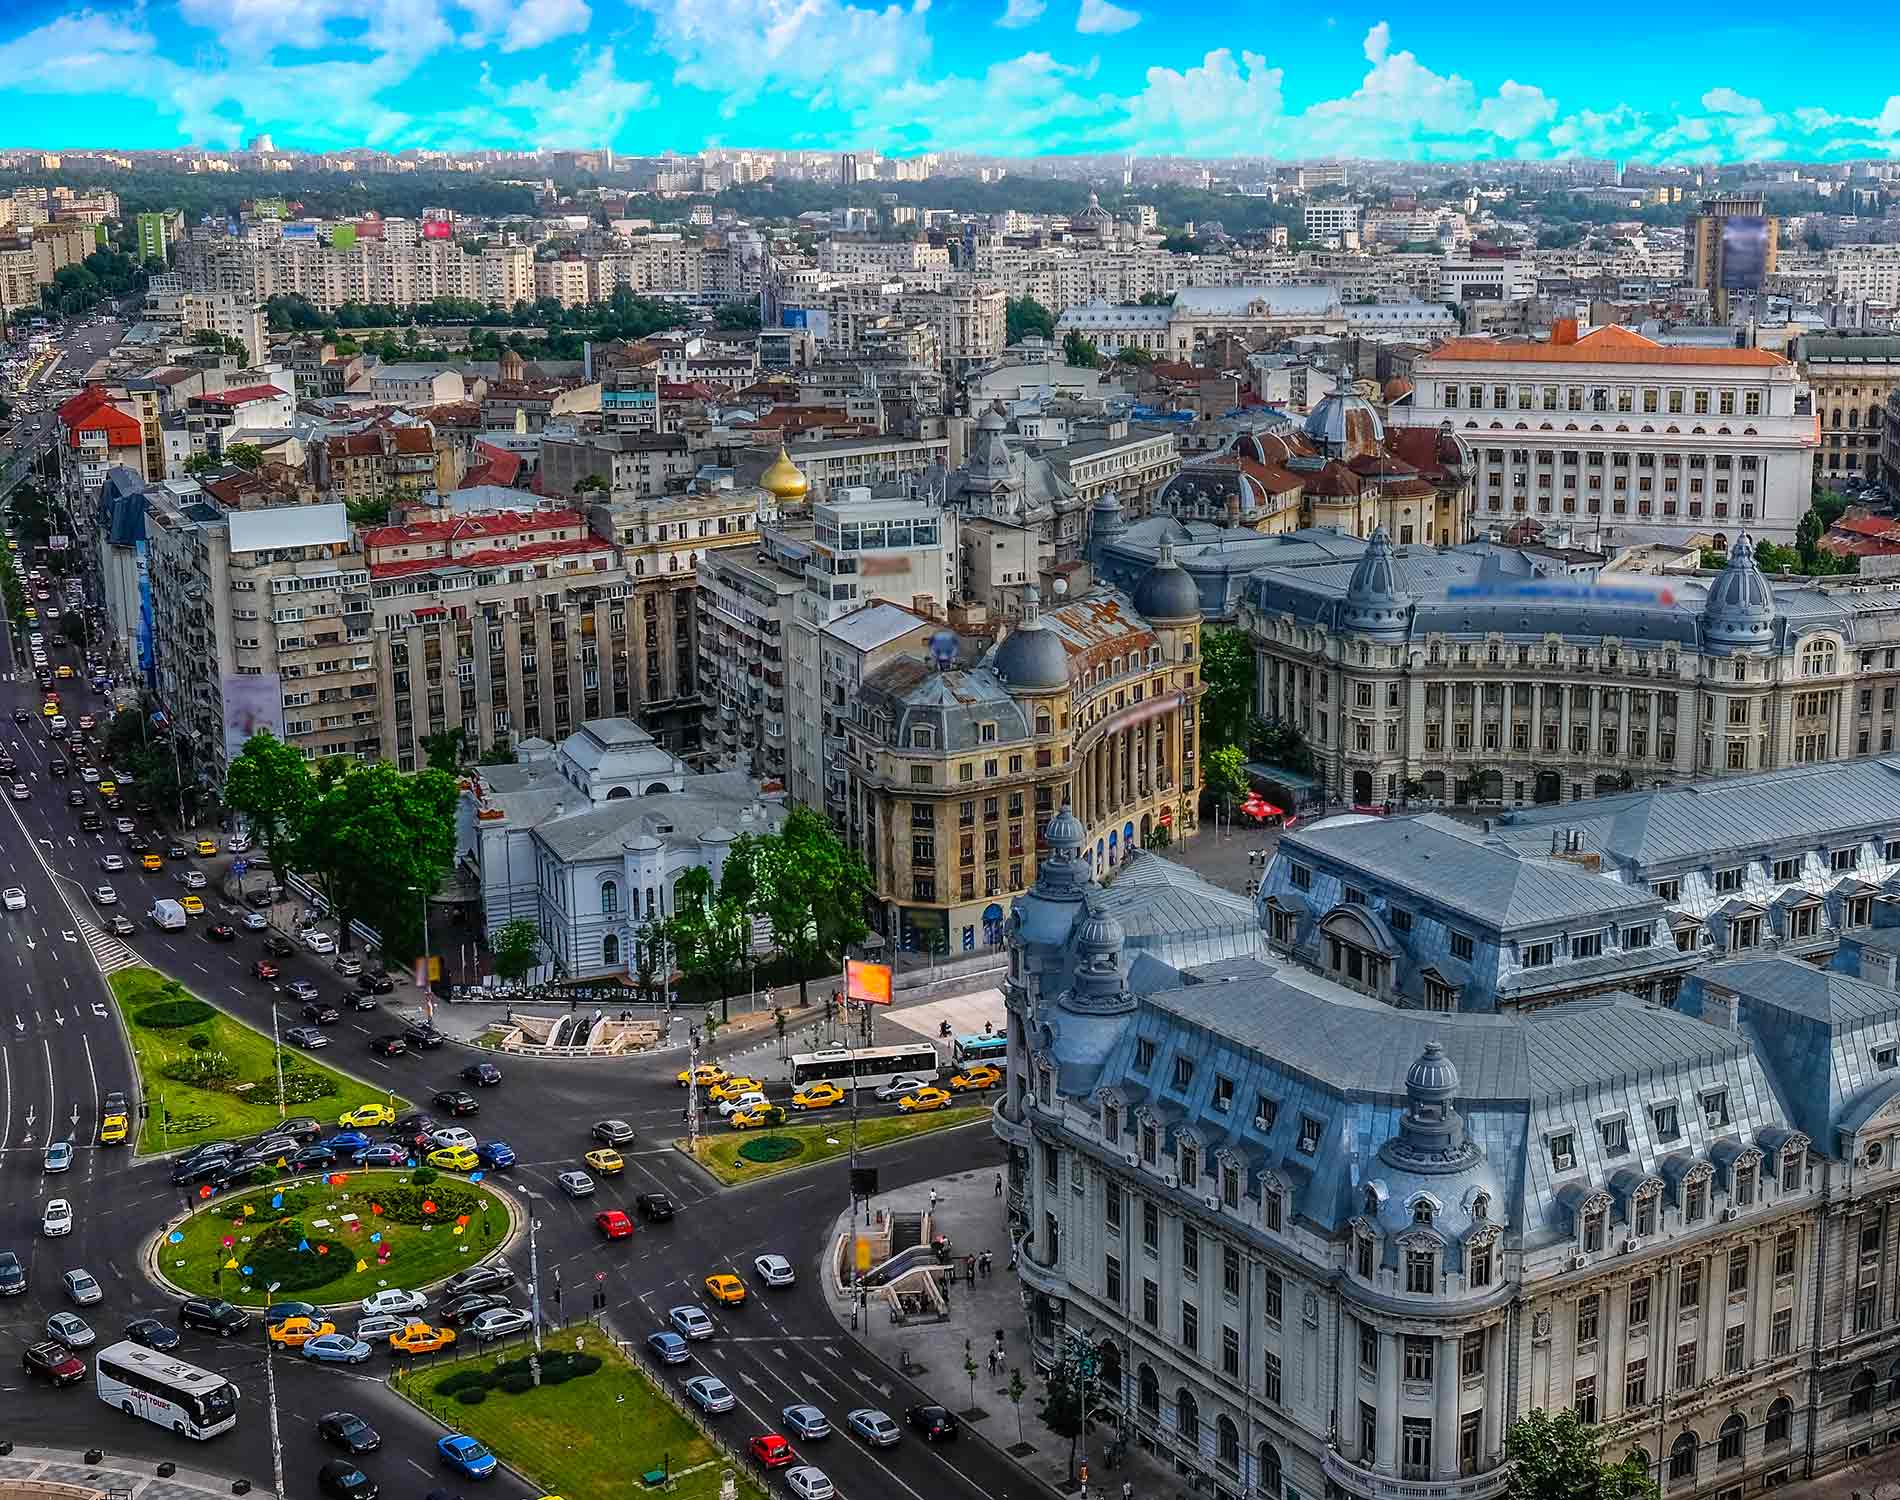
{"points": [[168, 915]]}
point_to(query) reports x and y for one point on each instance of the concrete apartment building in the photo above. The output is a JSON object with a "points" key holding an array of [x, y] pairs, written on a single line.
{"points": [[1851, 379], [1634, 440], [634, 465]]}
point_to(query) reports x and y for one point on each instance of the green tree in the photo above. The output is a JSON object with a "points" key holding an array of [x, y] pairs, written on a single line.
{"points": [[501, 753], [1017, 1390], [709, 933], [812, 889], [446, 750], [516, 948], [1224, 772], [1024, 316], [1556, 1456], [1079, 350], [245, 456], [406, 824], [1139, 358], [592, 484], [738, 315], [368, 512], [1277, 743], [268, 782], [1227, 670], [201, 464], [1179, 244]]}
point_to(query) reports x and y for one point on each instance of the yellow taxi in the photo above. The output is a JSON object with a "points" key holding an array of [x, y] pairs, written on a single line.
{"points": [[922, 1101], [605, 1161], [294, 1333], [726, 1288], [732, 1087], [982, 1076], [32, 613], [107, 788], [113, 1130], [420, 1338], [47, 710], [63, 671], [207, 847], [151, 862], [455, 1158], [366, 1114], [12, 546], [192, 905], [818, 1096], [757, 1115], [705, 1075]]}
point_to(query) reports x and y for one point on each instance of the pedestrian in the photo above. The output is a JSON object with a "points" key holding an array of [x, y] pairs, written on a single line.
{"points": [[933, 1197], [999, 1186], [1128, 1489]]}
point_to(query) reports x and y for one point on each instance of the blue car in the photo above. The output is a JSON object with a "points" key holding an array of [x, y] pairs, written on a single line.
{"points": [[385, 1155], [348, 1142], [466, 1456], [668, 1348], [337, 1349], [496, 1154]]}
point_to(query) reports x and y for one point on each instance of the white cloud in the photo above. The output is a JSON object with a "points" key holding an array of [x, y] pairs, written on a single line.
{"points": [[588, 112], [1516, 110], [1378, 40], [1021, 13], [812, 49], [1021, 105], [1219, 106], [518, 25], [256, 26], [1102, 18]]}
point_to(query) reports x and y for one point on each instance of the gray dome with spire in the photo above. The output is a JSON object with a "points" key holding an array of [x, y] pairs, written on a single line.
{"points": [[1344, 424], [1166, 592], [1741, 606], [1032, 659], [1378, 600]]}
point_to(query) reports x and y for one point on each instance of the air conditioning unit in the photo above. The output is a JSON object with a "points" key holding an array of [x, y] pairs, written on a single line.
{"points": [[1628, 1247], [1578, 1262], [1128, 1158], [1211, 1201], [1172, 1180], [1564, 1162], [1261, 1124], [1730, 1215]]}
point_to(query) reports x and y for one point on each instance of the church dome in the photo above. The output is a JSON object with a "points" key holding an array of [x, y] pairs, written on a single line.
{"points": [[1377, 599], [1065, 833], [1032, 659], [1741, 605], [1166, 592], [1433, 1076], [1344, 424], [784, 479]]}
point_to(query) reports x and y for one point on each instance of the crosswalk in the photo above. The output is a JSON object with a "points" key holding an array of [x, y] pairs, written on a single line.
{"points": [[107, 952]]}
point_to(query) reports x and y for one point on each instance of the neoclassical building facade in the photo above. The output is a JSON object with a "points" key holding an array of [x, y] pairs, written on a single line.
{"points": [[1485, 677], [1317, 1244]]}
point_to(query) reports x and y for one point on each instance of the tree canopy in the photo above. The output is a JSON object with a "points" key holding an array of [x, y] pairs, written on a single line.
{"points": [[1078, 349], [1227, 670], [1557, 1456], [516, 948], [1024, 316]]}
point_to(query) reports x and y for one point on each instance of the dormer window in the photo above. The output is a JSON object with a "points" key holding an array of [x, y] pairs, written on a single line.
{"points": [[1421, 1271], [1481, 1207], [1593, 1223], [1111, 1123], [1478, 1264], [1362, 1255], [1792, 1161], [1715, 1108], [1148, 1144], [1183, 1074], [1422, 1211], [1309, 1135], [1563, 1152], [1190, 1166]]}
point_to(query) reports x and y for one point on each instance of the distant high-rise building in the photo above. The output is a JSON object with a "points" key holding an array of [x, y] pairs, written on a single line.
{"points": [[152, 239], [855, 167], [1733, 244]]}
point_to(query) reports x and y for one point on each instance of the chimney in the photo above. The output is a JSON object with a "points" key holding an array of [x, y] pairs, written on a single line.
{"points": [[1563, 331]]}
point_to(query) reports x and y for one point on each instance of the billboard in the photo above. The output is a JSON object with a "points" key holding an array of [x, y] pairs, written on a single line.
{"points": [[343, 236], [252, 701], [300, 233], [438, 229], [867, 982], [1744, 254]]}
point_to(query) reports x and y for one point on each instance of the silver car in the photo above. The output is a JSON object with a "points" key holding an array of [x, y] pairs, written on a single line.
{"points": [[70, 1329], [576, 1184], [499, 1322], [806, 1420], [374, 1329], [874, 1426], [711, 1394], [690, 1322], [82, 1288]]}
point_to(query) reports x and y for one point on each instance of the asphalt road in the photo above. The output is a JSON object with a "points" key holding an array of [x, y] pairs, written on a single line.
{"points": [[61, 1050]]}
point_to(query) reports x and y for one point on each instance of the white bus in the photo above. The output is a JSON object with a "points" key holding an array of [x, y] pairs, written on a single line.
{"points": [[144, 1383], [865, 1067]]}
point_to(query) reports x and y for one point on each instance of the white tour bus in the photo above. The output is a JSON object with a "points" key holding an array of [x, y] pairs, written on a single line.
{"points": [[865, 1067], [144, 1383]]}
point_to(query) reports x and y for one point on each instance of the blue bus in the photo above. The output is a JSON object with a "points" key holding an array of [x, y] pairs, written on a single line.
{"points": [[966, 1050]]}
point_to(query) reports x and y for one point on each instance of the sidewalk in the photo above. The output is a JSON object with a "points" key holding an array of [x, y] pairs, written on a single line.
{"points": [[115, 1473], [971, 1214]]}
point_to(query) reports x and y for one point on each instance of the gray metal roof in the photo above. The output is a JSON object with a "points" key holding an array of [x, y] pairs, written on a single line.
{"points": [[1801, 989]]}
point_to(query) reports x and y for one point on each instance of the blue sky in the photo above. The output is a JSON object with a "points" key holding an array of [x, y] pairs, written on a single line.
{"points": [[1013, 77]]}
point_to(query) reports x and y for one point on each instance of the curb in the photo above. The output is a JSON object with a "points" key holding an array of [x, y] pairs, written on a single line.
{"points": [[151, 1249], [679, 1146]]}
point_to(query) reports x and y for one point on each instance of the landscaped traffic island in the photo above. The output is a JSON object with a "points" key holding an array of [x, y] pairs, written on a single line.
{"points": [[745, 1155], [593, 1426], [206, 1076], [331, 1238]]}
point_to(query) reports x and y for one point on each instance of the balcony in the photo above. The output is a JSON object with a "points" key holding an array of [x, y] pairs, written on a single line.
{"points": [[1369, 1485], [1009, 1131]]}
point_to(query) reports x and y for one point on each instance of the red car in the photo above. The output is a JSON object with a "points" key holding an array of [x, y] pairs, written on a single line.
{"points": [[614, 1224], [773, 1451], [264, 969]]}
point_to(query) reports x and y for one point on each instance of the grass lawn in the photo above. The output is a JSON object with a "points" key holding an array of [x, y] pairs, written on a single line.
{"points": [[244, 1100], [313, 1210], [719, 1151], [576, 1439]]}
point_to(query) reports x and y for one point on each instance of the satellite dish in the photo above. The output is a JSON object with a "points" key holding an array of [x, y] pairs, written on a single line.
{"points": [[943, 649]]}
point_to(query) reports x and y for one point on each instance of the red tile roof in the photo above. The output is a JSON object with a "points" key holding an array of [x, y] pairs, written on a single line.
{"points": [[493, 465], [242, 394], [495, 523], [82, 404], [121, 430], [414, 440], [500, 557], [353, 445], [1609, 345]]}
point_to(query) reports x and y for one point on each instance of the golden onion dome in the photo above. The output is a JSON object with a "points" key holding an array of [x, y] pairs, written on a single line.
{"points": [[784, 478]]}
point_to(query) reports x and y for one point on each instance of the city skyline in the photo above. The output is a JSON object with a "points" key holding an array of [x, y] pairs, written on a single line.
{"points": [[1000, 77]]}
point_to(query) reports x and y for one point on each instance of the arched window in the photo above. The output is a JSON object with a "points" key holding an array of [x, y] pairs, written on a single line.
{"points": [[1187, 1416], [1148, 1390], [1728, 1445], [1682, 1457], [610, 951], [1228, 1439], [1639, 1456], [1780, 1425], [1267, 1481], [1860, 1398], [1837, 417], [609, 897], [1853, 417], [1873, 416], [1817, 659]]}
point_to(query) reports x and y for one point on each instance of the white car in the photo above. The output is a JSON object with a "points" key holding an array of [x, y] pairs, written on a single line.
{"points": [[254, 921], [125, 825], [318, 941], [730, 1107], [89, 774], [238, 843], [58, 1218], [448, 1137], [105, 895], [809, 1483], [394, 1300], [774, 1270], [15, 898], [112, 862], [898, 1087]]}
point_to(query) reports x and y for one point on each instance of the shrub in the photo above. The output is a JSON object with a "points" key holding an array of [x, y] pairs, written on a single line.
{"points": [[198, 1041], [461, 1380], [585, 1364], [516, 1366], [515, 1385], [768, 1148], [423, 1176], [472, 1395], [166, 1015], [556, 1374]]}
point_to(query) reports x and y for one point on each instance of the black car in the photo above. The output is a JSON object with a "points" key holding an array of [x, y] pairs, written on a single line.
{"points": [[138, 844], [422, 1034], [418, 1122], [92, 822], [300, 1128], [198, 1169], [463, 1310], [279, 946], [113, 1103], [388, 1046], [278, 1312], [221, 932], [57, 768], [495, 1276], [934, 1422], [323, 1015], [114, 803], [213, 1315], [316, 1154], [656, 1208], [349, 1432], [456, 1103], [75, 798], [153, 1333], [362, 1002], [375, 982], [258, 900], [176, 850], [482, 1074], [341, 1477], [21, 716], [12, 1275]]}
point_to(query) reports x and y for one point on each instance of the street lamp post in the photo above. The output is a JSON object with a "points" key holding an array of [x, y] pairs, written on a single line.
{"points": [[277, 1051], [270, 1382], [534, 1264]]}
